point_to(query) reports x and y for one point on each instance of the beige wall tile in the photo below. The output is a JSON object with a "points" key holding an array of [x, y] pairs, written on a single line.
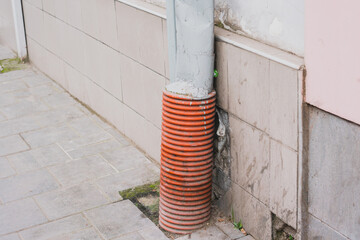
{"points": [[283, 104], [46, 62], [140, 37], [49, 6], [54, 68], [98, 20], [109, 70], [76, 83], [107, 22], [36, 53], [221, 82], [248, 82], [142, 132], [105, 104], [34, 22], [92, 48], [53, 29], [142, 89], [135, 127], [166, 49], [74, 15], [36, 3], [250, 159], [153, 140], [255, 216], [61, 10], [102, 66], [73, 47], [283, 180], [90, 17]]}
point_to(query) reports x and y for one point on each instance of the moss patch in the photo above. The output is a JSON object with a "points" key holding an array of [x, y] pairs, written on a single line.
{"points": [[219, 24], [146, 198], [12, 64]]}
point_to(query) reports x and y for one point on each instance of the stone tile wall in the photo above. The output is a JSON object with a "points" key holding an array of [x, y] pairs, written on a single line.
{"points": [[118, 70], [262, 99]]}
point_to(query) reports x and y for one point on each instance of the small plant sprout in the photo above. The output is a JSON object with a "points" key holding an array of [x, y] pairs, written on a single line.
{"points": [[291, 237], [237, 225], [216, 73]]}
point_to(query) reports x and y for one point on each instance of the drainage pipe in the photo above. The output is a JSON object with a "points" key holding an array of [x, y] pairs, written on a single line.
{"points": [[19, 28], [188, 125], [191, 33], [171, 32]]}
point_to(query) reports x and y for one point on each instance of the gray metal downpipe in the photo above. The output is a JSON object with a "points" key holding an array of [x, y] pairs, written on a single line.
{"points": [[191, 32], [188, 114]]}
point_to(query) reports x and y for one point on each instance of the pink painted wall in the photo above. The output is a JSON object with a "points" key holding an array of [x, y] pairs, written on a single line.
{"points": [[332, 56]]}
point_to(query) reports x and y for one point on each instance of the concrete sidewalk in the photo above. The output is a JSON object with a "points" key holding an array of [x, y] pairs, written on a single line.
{"points": [[61, 168]]}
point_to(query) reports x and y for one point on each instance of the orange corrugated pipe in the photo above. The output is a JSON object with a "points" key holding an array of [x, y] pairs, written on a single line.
{"points": [[186, 162]]}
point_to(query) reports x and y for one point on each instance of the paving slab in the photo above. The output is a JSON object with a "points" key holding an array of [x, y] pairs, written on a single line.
{"points": [[61, 115], [26, 185], [12, 86], [118, 136], [85, 234], [118, 219], [16, 74], [64, 202], [23, 107], [2, 117], [18, 125], [208, 233], [229, 229], [41, 91], [103, 124], [13, 236], [49, 135], [88, 168], [55, 228], [95, 148], [38, 158], [7, 99], [19, 215], [111, 185], [35, 80], [6, 53], [247, 237], [130, 236], [12, 144], [152, 233], [76, 143], [85, 126], [5, 168], [59, 100], [120, 158]]}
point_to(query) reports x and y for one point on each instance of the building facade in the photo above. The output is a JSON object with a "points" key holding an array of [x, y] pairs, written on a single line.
{"points": [[288, 91]]}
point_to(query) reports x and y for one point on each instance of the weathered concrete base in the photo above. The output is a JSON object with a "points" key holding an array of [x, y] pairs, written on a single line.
{"points": [[333, 176]]}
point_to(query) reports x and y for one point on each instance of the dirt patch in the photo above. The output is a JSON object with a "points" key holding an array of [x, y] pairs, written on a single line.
{"points": [[281, 231], [146, 198]]}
